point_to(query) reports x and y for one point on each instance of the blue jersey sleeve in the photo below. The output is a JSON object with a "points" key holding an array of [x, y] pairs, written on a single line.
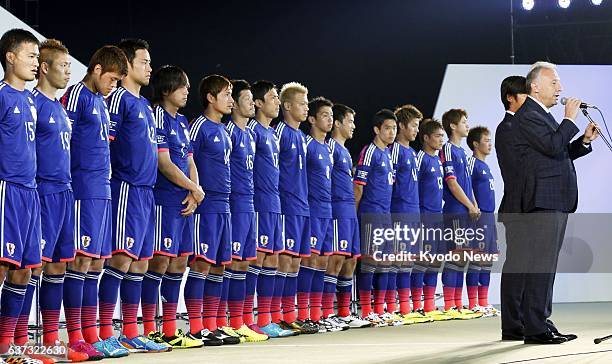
{"points": [[117, 110], [283, 142], [363, 166], [196, 136], [160, 127], [73, 104], [447, 158]]}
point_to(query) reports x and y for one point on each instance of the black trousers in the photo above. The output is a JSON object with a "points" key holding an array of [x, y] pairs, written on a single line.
{"points": [[534, 241]]}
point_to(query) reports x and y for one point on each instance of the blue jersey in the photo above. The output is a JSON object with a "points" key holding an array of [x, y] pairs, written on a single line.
{"points": [[241, 163], [211, 153], [430, 182], [319, 164], [375, 173], [265, 169], [172, 137], [455, 166], [134, 144], [343, 196], [482, 184], [293, 181], [406, 188], [52, 145], [89, 151], [17, 136]]}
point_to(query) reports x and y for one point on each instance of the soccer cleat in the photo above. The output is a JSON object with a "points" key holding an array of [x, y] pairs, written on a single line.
{"points": [[83, 347], [71, 355], [355, 322], [307, 327], [405, 320], [418, 316], [375, 320], [111, 348], [391, 320], [327, 325], [225, 337], [488, 311], [142, 344], [291, 327], [179, 340], [18, 359], [437, 315], [42, 358], [336, 321], [231, 332], [256, 328], [158, 338], [207, 337], [275, 331], [250, 335], [469, 313]]}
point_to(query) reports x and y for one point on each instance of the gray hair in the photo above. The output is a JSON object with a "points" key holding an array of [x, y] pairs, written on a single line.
{"points": [[535, 70]]}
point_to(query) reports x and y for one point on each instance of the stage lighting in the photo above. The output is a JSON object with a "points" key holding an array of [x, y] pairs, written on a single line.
{"points": [[564, 4], [528, 4], [596, 2]]}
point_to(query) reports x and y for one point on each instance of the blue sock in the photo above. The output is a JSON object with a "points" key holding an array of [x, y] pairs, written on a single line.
{"points": [[131, 291], [51, 292], [21, 330], [108, 291], [193, 294], [11, 301], [149, 299]]}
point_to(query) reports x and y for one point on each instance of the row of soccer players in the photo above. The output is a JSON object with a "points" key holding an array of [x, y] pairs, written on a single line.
{"points": [[286, 195]]}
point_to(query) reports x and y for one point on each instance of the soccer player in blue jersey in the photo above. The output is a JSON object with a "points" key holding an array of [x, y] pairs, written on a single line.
{"points": [[263, 274], [244, 224], [293, 188], [90, 172], [373, 187], [345, 240], [212, 149], [177, 193], [20, 210], [133, 152], [458, 203], [479, 273]]}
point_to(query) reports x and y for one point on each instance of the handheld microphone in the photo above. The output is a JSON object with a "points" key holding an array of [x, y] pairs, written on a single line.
{"points": [[583, 105]]}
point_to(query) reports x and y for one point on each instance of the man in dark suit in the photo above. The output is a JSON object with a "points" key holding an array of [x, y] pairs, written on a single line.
{"points": [[545, 190]]}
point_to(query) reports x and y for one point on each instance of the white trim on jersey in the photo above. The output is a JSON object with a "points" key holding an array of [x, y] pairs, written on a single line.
{"points": [[158, 228], [282, 217], [335, 242], [332, 145], [2, 84], [115, 100], [471, 163], [2, 201], [35, 92], [395, 149], [419, 159], [195, 128], [77, 225], [159, 117], [73, 98], [367, 159], [196, 234], [251, 124], [230, 127], [122, 214], [279, 130], [448, 152], [309, 139]]}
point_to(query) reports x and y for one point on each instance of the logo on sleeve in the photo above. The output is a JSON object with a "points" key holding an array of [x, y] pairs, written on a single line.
{"points": [[216, 140], [51, 120], [140, 116], [172, 132], [95, 111], [16, 111]]}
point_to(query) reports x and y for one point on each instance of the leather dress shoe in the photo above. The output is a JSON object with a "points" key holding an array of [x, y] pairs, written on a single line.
{"points": [[545, 338], [512, 336], [568, 337]]}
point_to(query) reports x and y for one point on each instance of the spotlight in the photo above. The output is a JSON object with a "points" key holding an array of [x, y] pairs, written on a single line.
{"points": [[596, 2], [564, 4], [528, 4]]}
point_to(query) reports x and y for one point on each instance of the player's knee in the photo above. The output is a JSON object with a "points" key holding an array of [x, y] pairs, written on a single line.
{"points": [[19, 276], [217, 269], [97, 265], [37, 271], [270, 261], [177, 265], [80, 264], [200, 266], [159, 264], [120, 262]]}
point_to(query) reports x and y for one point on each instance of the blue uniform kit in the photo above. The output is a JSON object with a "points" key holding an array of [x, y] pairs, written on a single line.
{"points": [[484, 192], [319, 165]]}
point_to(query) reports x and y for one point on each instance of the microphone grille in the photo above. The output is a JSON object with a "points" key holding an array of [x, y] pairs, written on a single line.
{"points": [[563, 100]]}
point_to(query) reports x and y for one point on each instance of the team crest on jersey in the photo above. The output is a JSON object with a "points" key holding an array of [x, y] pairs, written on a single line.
{"points": [[236, 246], [481, 245], [10, 248], [129, 242], [402, 247], [43, 242], [263, 240], [343, 244], [313, 241], [204, 248], [85, 240], [290, 243], [167, 243], [427, 248]]}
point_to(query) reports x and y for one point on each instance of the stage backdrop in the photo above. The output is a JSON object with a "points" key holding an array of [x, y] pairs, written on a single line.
{"points": [[476, 88]]}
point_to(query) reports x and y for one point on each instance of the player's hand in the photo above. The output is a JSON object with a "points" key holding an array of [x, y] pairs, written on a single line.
{"points": [[474, 213], [198, 194], [590, 133], [191, 205], [571, 108]]}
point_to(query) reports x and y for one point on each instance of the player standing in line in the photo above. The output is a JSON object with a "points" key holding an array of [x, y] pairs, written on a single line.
{"points": [[262, 273], [90, 168], [212, 149], [133, 150], [293, 188], [373, 187], [345, 240], [177, 193], [479, 273], [244, 224], [459, 207]]}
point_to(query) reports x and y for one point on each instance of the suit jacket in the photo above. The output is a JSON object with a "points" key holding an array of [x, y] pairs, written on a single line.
{"points": [[506, 141], [547, 177]]}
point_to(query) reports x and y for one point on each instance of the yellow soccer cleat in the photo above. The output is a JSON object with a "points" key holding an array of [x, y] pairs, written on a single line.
{"points": [[250, 335], [437, 315], [230, 332], [418, 317]]}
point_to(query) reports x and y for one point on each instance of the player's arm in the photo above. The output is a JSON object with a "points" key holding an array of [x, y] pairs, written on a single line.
{"points": [[361, 176], [451, 180], [358, 191], [175, 175], [117, 111]]}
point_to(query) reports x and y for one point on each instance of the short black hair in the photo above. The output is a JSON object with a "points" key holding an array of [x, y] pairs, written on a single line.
{"points": [[452, 116], [166, 80], [428, 127], [341, 111], [382, 115], [261, 88], [317, 103], [237, 87], [212, 84], [512, 86], [129, 46], [11, 40], [476, 134]]}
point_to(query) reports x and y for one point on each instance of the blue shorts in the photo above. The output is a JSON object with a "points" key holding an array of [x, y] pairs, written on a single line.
{"points": [[213, 238], [20, 226], [92, 222], [373, 240], [410, 240], [173, 232], [321, 235], [133, 220], [433, 233], [345, 239], [244, 238], [269, 232], [57, 226], [459, 224], [486, 239], [296, 230]]}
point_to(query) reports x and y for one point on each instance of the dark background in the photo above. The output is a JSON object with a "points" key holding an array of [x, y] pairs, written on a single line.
{"points": [[366, 54]]}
